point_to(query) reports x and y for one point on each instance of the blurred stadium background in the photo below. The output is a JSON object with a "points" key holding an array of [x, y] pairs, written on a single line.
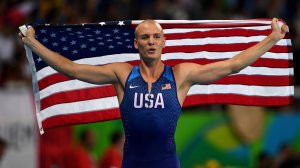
{"points": [[207, 136]]}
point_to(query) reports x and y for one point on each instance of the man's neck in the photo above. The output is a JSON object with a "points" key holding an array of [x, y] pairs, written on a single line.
{"points": [[151, 71]]}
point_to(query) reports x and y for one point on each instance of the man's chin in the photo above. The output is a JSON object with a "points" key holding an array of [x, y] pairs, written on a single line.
{"points": [[151, 57]]}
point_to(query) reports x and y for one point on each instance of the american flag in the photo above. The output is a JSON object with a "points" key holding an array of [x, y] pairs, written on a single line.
{"points": [[63, 101], [166, 86]]}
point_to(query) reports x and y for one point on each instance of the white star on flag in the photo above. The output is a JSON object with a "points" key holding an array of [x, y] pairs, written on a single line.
{"points": [[102, 23], [121, 23]]}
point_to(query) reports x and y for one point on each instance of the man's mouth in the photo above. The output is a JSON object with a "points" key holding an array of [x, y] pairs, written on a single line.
{"points": [[151, 50]]}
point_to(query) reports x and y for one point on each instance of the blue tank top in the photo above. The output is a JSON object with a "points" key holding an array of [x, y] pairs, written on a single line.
{"points": [[150, 120]]}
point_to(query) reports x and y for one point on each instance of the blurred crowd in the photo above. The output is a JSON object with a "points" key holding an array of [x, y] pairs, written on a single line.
{"points": [[58, 149], [285, 157], [14, 71]]}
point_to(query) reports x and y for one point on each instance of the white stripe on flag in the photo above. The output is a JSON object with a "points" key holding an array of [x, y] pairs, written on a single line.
{"points": [[77, 107], [223, 40], [187, 30], [207, 21], [220, 55], [250, 70], [264, 91], [66, 86]]}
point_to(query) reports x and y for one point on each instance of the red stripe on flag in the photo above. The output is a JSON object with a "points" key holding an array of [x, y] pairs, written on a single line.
{"points": [[237, 99], [52, 79], [217, 33], [207, 25], [222, 48], [257, 80], [81, 118], [262, 62], [78, 95]]}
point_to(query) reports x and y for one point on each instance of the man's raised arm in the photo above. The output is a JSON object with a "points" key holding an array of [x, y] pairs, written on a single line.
{"points": [[199, 74], [89, 73]]}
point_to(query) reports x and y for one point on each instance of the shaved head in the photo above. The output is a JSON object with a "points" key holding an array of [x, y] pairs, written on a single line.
{"points": [[149, 40], [146, 23]]}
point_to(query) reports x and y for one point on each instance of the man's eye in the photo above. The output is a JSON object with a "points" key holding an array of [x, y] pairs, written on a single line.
{"points": [[144, 37]]}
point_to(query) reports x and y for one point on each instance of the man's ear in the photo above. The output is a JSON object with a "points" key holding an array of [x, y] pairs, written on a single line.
{"points": [[164, 42], [135, 44]]}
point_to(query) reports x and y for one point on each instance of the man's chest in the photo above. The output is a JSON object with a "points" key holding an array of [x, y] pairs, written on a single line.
{"points": [[139, 95]]}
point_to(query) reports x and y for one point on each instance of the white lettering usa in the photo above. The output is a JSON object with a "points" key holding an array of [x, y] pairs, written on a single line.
{"points": [[149, 101]]}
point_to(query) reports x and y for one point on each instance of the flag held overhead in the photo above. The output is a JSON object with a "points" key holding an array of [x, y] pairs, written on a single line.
{"points": [[63, 101]]}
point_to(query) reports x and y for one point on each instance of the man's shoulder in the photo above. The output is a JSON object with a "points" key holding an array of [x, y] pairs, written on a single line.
{"points": [[183, 71], [185, 66], [122, 70], [124, 66]]}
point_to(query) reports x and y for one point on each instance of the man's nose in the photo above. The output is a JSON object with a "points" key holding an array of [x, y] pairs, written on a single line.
{"points": [[151, 41]]}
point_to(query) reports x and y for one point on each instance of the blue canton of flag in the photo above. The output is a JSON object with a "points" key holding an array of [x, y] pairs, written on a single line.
{"points": [[94, 40]]}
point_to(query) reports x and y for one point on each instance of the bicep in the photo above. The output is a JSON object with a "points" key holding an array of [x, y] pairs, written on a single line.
{"points": [[104, 74], [202, 74]]}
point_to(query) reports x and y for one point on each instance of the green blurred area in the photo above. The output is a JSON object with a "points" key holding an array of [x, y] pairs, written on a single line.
{"points": [[102, 132], [202, 137]]}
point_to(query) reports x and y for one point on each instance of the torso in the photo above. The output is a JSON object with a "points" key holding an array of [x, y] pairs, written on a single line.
{"points": [[150, 120]]}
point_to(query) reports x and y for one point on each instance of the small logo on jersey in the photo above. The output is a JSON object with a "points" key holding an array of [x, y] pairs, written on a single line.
{"points": [[133, 86], [166, 86]]}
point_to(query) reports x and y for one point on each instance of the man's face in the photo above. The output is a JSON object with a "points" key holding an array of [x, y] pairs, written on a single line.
{"points": [[149, 40]]}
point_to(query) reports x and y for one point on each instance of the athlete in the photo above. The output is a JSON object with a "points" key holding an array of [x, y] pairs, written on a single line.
{"points": [[151, 94]]}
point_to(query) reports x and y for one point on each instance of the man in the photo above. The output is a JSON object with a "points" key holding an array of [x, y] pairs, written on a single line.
{"points": [[151, 94]]}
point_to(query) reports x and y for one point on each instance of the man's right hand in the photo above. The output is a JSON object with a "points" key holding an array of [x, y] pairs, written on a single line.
{"points": [[30, 34]]}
